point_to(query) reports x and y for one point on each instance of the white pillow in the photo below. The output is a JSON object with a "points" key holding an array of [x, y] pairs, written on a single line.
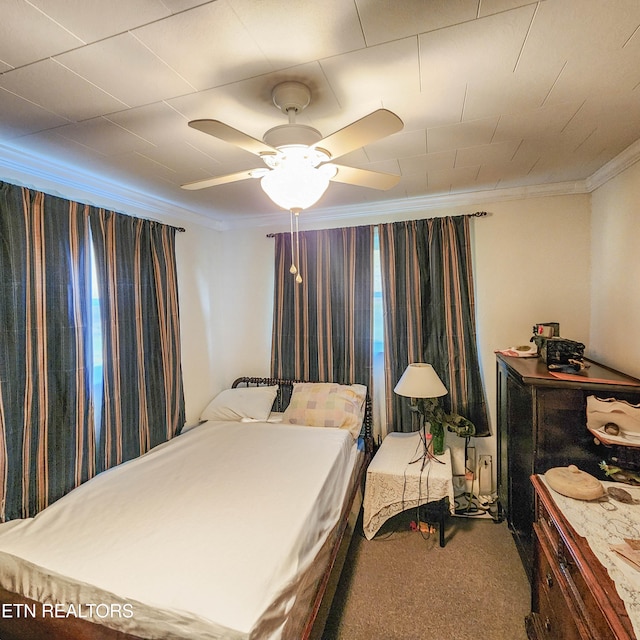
{"points": [[274, 418], [253, 403]]}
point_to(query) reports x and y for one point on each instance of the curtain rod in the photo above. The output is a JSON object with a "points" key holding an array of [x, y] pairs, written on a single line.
{"points": [[477, 214]]}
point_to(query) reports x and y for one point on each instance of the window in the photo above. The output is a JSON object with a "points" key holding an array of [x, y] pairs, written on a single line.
{"points": [[96, 349], [379, 411]]}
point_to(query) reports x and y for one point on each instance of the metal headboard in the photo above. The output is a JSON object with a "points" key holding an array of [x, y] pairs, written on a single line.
{"points": [[285, 389]]}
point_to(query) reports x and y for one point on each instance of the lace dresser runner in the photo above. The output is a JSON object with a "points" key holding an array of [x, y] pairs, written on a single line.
{"points": [[395, 484], [604, 524]]}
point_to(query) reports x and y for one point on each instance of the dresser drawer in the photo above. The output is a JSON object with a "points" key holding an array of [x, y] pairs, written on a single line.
{"points": [[590, 613], [548, 525], [556, 611]]}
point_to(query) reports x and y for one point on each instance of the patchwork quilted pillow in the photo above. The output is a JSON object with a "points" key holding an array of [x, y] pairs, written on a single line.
{"points": [[327, 404]]}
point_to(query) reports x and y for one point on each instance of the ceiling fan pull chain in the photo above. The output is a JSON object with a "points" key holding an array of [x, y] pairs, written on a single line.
{"points": [[297, 214], [292, 268]]}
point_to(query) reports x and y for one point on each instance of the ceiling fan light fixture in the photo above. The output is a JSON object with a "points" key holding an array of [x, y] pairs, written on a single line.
{"points": [[294, 182], [295, 188]]}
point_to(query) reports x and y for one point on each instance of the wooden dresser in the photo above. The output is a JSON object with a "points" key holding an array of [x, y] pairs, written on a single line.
{"points": [[542, 424], [572, 596]]}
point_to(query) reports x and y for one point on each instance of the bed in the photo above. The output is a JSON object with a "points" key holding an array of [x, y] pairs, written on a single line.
{"points": [[236, 529]]}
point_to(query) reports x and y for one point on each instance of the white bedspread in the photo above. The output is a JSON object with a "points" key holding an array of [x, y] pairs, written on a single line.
{"points": [[198, 538]]}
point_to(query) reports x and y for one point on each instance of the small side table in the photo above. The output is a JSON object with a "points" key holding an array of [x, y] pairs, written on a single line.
{"points": [[394, 484]]}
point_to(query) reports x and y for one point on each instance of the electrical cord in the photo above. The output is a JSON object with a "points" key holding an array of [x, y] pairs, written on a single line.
{"points": [[428, 532], [428, 460], [425, 463], [475, 507], [471, 508], [404, 491]]}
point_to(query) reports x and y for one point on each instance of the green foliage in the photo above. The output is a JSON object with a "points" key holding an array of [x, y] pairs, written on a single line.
{"points": [[434, 414]]}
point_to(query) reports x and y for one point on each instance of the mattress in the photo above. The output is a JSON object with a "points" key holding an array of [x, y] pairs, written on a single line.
{"points": [[211, 535]]}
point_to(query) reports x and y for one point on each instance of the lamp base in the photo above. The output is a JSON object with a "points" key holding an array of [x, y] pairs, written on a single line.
{"points": [[427, 450], [437, 439]]}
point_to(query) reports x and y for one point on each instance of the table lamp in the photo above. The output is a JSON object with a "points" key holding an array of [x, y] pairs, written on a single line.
{"points": [[421, 383]]}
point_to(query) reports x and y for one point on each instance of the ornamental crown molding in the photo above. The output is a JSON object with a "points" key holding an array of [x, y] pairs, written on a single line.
{"points": [[417, 204], [622, 161], [38, 173]]}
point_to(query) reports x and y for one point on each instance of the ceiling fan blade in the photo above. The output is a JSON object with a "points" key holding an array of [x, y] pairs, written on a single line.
{"points": [[365, 178], [228, 134], [376, 125], [214, 182]]}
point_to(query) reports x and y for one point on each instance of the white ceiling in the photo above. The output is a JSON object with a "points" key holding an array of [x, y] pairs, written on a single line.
{"points": [[494, 94]]}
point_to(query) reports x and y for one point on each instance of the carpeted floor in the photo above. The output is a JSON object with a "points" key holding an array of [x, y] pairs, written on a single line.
{"points": [[403, 586]]}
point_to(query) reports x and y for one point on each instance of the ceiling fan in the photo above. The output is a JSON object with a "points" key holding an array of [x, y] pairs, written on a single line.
{"points": [[299, 162]]}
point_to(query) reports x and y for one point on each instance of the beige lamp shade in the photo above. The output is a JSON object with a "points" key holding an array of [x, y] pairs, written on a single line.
{"points": [[420, 380]]}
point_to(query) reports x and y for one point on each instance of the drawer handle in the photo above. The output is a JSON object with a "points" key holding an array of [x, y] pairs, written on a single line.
{"points": [[549, 580], [547, 625]]}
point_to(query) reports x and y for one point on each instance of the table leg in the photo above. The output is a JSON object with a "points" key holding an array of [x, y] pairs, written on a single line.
{"points": [[437, 511]]}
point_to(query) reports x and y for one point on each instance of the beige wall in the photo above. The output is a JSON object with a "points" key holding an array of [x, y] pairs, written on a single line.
{"points": [[225, 284], [615, 272], [531, 265], [197, 256]]}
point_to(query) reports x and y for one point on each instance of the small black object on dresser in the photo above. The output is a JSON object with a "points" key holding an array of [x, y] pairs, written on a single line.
{"points": [[541, 423]]}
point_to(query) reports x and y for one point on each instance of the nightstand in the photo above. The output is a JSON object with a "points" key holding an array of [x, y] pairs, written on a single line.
{"points": [[394, 484]]}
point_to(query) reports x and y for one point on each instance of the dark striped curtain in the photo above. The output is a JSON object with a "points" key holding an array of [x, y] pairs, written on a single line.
{"points": [[143, 403], [429, 312], [47, 413], [46, 423], [322, 326]]}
